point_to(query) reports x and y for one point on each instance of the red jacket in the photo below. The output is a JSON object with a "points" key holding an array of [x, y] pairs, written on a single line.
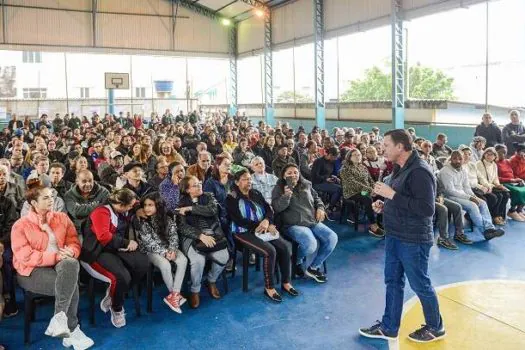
{"points": [[101, 235], [505, 172], [518, 166]]}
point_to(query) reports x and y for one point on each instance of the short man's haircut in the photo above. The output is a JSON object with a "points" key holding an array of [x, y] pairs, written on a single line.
{"points": [[58, 165], [441, 136], [333, 151], [400, 136]]}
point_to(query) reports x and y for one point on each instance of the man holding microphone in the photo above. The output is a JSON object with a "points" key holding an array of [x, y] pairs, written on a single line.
{"points": [[407, 210]]}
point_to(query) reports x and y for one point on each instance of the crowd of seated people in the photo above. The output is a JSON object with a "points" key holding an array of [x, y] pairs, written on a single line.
{"points": [[120, 193]]}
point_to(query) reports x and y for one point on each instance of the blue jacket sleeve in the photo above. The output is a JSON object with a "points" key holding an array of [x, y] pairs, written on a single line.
{"points": [[422, 189]]}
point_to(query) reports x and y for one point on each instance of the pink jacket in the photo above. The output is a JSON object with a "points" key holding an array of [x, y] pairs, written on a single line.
{"points": [[29, 242]]}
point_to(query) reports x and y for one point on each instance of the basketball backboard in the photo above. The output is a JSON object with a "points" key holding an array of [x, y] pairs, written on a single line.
{"points": [[117, 80]]}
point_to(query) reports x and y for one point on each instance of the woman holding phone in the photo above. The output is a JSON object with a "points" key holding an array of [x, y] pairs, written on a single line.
{"points": [[300, 213]]}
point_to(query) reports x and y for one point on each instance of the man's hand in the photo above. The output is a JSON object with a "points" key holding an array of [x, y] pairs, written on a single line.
{"points": [[320, 215], [384, 190], [378, 206], [476, 200]]}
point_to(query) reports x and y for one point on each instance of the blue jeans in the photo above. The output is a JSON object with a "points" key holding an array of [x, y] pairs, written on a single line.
{"points": [[308, 238], [411, 259], [480, 215]]}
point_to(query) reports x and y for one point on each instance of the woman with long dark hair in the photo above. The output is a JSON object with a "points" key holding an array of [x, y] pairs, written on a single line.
{"points": [[111, 250], [300, 213], [252, 223], [158, 238]]}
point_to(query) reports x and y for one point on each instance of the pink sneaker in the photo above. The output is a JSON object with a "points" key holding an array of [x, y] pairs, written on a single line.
{"points": [[173, 302]]}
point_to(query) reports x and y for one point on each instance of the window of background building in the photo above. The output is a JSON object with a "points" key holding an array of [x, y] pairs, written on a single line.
{"points": [[140, 92], [35, 92], [31, 57], [84, 92]]}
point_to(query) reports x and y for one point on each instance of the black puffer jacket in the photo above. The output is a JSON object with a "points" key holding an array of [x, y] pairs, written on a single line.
{"points": [[8, 216], [203, 215]]}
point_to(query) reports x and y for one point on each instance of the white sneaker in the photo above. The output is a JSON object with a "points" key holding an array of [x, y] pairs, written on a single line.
{"points": [[118, 318], [58, 326], [78, 340], [105, 303]]}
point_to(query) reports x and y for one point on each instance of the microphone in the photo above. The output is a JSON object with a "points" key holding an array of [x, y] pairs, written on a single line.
{"points": [[380, 177]]}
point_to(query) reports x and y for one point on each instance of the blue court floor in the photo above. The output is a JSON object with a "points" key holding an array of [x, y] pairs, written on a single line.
{"points": [[323, 317]]}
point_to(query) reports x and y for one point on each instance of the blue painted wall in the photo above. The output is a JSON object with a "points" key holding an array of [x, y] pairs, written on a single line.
{"points": [[457, 134]]}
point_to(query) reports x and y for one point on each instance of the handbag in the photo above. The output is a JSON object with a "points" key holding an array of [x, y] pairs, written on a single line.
{"points": [[220, 241]]}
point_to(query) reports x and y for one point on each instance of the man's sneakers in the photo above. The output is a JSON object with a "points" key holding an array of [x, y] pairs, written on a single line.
{"points": [[105, 303], [426, 334], [118, 318], [462, 238], [316, 275], [376, 231], [78, 340], [58, 326], [493, 233], [376, 332], [446, 243]]}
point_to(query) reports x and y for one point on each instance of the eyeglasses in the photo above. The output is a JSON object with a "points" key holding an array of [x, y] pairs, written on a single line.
{"points": [[197, 185]]}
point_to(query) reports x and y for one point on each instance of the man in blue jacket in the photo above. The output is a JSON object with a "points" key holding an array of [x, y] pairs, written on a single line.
{"points": [[408, 209]]}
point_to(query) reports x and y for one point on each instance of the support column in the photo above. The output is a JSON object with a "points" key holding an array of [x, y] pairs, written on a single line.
{"points": [[233, 70], [111, 101], [268, 69], [94, 5], [398, 66], [320, 116], [4, 22]]}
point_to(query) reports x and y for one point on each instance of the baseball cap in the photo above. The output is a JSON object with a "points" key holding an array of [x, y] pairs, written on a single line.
{"points": [[131, 165], [115, 154]]}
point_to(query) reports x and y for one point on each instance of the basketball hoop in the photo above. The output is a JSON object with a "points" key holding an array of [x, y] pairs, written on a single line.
{"points": [[117, 81]]}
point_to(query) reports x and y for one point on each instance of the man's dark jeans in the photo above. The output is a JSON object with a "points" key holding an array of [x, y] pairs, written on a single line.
{"points": [[334, 190], [411, 259]]}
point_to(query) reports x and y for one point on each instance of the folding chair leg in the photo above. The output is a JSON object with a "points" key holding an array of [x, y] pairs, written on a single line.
{"points": [[225, 282], [234, 266], [137, 299], [356, 215], [257, 263], [28, 315], [245, 262], [294, 258], [91, 295], [324, 267], [149, 283]]}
